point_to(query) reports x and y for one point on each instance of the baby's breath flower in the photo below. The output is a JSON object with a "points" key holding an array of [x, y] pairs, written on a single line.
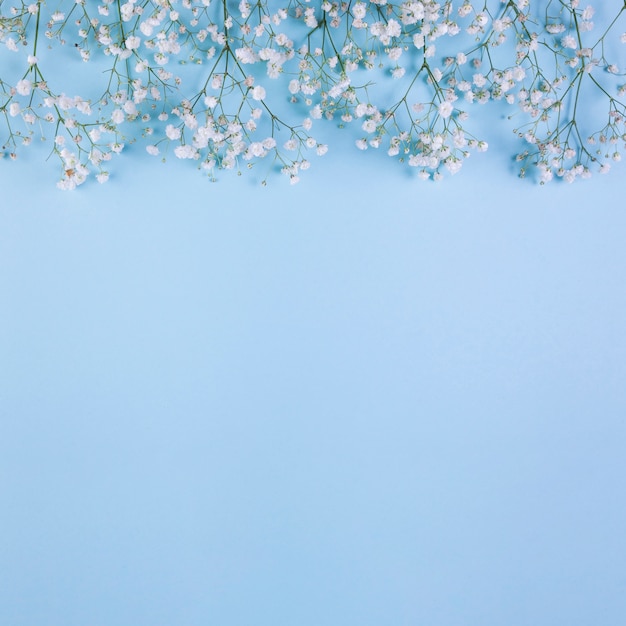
{"points": [[23, 87], [338, 61], [445, 109]]}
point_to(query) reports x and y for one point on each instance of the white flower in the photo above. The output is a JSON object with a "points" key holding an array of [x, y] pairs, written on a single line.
{"points": [[359, 10], [246, 55], [569, 42], [152, 150], [117, 116], [316, 112], [361, 109], [445, 109], [23, 87], [459, 139], [186, 152], [453, 165], [127, 10], [258, 93], [479, 80], [369, 126], [255, 149], [555, 29], [309, 18], [172, 132], [395, 53], [465, 9], [65, 103], [133, 42], [588, 13]]}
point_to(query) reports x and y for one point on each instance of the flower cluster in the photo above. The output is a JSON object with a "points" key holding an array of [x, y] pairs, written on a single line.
{"points": [[234, 84]]}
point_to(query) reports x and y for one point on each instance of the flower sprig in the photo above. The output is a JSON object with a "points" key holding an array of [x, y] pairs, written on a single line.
{"points": [[230, 84]]}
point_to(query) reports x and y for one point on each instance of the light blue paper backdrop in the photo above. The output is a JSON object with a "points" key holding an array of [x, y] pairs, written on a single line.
{"points": [[363, 400]]}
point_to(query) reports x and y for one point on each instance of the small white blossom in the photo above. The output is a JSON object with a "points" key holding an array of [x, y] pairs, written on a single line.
{"points": [[445, 109], [569, 42], [258, 93], [23, 87], [172, 132], [133, 42]]}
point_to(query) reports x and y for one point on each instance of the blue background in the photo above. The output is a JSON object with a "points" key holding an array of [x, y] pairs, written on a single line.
{"points": [[363, 400]]}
